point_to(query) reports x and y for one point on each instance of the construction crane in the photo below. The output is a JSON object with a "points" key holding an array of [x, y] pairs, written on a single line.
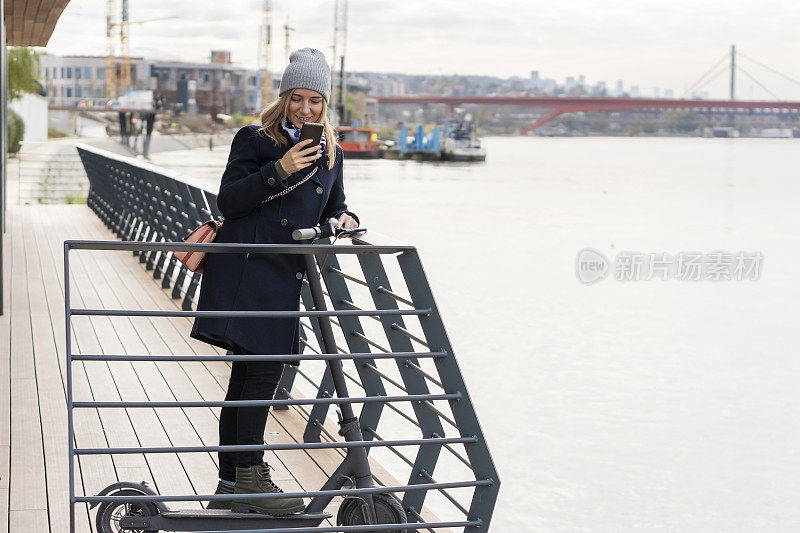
{"points": [[339, 52], [111, 64], [287, 34], [112, 90], [263, 77]]}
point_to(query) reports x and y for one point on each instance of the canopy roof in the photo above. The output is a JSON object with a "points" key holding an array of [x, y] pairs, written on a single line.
{"points": [[31, 22]]}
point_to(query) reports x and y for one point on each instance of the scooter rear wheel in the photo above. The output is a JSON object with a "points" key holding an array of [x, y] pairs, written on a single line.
{"points": [[387, 509], [110, 513]]}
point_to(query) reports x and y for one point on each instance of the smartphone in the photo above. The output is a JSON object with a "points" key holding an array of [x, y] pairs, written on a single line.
{"points": [[311, 130]]}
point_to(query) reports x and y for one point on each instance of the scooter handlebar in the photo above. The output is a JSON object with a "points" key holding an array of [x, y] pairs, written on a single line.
{"points": [[305, 234], [328, 229]]}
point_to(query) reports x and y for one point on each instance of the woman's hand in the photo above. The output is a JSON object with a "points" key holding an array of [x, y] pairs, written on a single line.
{"points": [[300, 156], [347, 222]]}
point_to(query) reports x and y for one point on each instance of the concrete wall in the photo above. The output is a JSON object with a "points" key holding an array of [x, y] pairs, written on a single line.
{"points": [[33, 110], [64, 121]]}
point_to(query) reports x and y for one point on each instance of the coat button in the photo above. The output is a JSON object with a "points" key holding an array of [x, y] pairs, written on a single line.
{"points": [[299, 275], [319, 190], [271, 181], [284, 222]]}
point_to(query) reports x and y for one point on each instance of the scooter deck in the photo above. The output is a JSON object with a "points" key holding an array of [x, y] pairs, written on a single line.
{"points": [[219, 520]]}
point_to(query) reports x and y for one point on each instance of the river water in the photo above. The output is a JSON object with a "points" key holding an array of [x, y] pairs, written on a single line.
{"points": [[619, 405]]}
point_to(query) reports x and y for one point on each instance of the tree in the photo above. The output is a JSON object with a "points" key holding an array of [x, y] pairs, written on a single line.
{"points": [[683, 121], [598, 122], [355, 105], [23, 69], [483, 116]]}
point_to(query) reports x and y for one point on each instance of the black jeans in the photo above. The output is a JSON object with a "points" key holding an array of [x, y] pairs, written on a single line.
{"points": [[250, 380]]}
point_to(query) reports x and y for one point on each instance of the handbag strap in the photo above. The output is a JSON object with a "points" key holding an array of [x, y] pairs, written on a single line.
{"points": [[287, 190]]}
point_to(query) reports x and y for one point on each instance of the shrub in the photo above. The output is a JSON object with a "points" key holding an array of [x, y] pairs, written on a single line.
{"points": [[16, 130], [53, 133], [238, 120], [76, 197]]}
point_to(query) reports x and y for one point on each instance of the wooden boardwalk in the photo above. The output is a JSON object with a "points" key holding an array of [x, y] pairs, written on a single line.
{"points": [[33, 416]]}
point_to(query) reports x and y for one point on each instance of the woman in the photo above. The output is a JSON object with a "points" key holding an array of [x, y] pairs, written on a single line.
{"points": [[263, 162]]}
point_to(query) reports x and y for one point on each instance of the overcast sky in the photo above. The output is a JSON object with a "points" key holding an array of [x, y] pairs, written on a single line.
{"points": [[669, 44]]}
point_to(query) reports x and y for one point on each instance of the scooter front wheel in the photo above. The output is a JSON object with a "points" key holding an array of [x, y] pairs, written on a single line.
{"points": [[387, 509], [109, 514]]}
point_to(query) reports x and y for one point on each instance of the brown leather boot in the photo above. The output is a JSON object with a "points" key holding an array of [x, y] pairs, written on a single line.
{"points": [[222, 488], [256, 480]]}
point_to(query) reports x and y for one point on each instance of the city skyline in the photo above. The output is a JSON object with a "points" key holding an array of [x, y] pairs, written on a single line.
{"points": [[646, 45], [534, 85]]}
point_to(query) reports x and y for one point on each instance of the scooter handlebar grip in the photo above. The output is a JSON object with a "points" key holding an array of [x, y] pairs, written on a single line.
{"points": [[305, 234]]}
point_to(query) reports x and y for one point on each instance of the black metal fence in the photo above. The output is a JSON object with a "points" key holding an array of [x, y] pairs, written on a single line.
{"points": [[390, 336]]}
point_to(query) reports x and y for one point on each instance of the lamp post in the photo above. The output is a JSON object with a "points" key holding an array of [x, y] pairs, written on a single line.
{"points": [[4, 141]]}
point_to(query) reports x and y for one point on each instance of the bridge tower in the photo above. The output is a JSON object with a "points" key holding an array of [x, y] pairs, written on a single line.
{"points": [[339, 51], [733, 71]]}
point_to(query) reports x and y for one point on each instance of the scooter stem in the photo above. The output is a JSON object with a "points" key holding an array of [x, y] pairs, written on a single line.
{"points": [[355, 463], [337, 372]]}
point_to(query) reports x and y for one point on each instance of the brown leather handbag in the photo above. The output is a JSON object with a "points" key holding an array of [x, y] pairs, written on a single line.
{"points": [[207, 231], [204, 233]]}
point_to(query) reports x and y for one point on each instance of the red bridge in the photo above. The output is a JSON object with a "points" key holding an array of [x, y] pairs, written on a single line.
{"points": [[561, 105]]}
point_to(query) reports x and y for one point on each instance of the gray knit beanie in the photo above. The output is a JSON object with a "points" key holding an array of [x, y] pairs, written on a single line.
{"points": [[307, 69]]}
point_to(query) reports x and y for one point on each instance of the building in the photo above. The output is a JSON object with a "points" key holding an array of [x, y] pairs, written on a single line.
{"points": [[387, 85], [70, 79], [219, 85]]}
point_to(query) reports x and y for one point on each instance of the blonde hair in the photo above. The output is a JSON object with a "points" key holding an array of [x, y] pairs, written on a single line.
{"points": [[274, 114]]}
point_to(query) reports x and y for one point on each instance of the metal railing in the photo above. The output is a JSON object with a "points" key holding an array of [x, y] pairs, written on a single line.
{"points": [[389, 334]]}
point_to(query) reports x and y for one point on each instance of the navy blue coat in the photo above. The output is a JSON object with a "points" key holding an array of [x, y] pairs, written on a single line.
{"points": [[261, 282]]}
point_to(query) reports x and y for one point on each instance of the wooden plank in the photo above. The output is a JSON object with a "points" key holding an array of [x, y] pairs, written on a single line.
{"points": [[206, 383], [56, 456], [174, 421], [27, 491], [52, 16], [14, 22], [5, 380], [51, 393], [216, 390], [57, 480], [98, 335], [28, 520], [32, 11], [166, 379], [56, 461], [4, 509]]}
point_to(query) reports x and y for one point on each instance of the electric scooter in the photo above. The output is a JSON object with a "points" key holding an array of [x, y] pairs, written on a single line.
{"points": [[367, 508]]}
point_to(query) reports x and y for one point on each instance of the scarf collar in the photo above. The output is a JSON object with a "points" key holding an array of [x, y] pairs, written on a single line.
{"points": [[294, 133]]}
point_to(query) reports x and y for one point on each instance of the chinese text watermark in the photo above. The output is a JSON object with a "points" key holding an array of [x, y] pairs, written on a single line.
{"points": [[592, 266]]}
